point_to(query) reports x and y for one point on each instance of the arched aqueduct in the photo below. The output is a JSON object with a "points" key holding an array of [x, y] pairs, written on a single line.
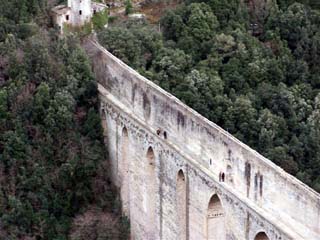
{"points": [[183, 177]]}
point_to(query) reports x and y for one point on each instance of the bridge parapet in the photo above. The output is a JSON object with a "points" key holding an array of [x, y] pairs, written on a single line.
{"points": [[230, 161]]}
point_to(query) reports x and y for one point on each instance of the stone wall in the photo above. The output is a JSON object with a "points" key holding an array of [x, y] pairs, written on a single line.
{"points": [[254, 194]]}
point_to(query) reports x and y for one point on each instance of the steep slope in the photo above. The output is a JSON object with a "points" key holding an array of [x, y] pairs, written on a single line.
{"points": [[53, 161]]}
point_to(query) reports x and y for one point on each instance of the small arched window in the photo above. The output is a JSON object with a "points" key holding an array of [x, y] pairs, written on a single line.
{"points": [[221, 177], [165, 135], [261, 185]]}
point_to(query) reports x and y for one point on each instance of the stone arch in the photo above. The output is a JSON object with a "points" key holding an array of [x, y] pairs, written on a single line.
{"points": [[216, 229], [151, 157], [151, 192], [181, 204], [124, 171], [261, 236]]}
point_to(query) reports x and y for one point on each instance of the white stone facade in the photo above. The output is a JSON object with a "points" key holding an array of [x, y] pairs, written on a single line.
{"points": [[81, 12], [76, 13]]}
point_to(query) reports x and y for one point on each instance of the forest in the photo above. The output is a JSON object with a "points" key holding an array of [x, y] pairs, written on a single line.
{"points": [[252, 67], [54, 181]]}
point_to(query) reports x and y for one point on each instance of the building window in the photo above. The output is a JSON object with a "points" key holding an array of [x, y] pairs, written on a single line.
{"points": [[67, 17], [94, 11], [80, 12]]}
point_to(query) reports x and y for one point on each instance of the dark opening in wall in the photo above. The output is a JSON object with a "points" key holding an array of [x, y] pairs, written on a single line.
{"points": [[261, 236], [261, 185], [165, 135], [80, 12], [67, 17], [221, 177], [94, 11], [247, 173], [210, 161]]}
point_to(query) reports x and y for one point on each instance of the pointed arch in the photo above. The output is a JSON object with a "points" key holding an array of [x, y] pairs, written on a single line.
{"points": [[215, 219], [125, 134], [124, 171], [151, 189], [181, 204], [261, 236], [151, 157]]}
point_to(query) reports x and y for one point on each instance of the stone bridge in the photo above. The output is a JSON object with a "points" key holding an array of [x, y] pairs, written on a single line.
{"points": [[183, 177]]}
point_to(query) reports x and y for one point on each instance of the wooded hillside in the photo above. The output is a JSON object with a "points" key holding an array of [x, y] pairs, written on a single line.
{"points": [[54, 181]]}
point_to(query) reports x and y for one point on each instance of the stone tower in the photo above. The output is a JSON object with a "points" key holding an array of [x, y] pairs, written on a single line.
{"points": [[80, 11]]}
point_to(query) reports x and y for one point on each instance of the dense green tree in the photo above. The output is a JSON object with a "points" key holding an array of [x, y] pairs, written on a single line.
{"points": [[51, 143], [169, 65]]}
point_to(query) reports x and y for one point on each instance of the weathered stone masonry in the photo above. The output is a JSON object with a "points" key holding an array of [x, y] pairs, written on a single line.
{"points": [[183, 177]]}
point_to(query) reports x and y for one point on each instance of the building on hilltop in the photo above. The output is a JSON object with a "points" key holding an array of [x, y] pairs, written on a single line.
{"points": [[77, 13]]}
